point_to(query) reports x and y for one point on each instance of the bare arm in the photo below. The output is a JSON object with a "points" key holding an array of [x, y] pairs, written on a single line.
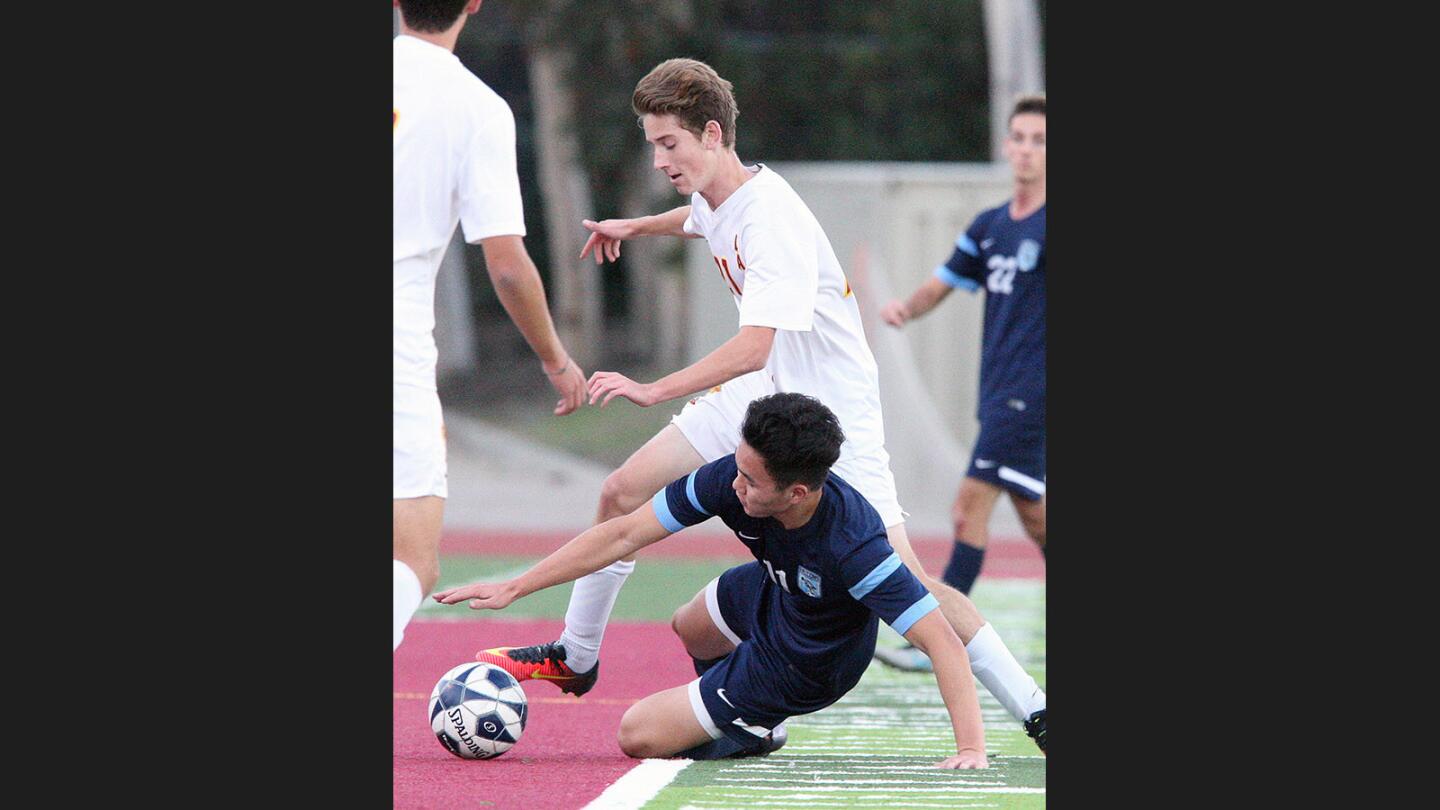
{"points": [[517, 283], [934, 637], [924, 299], [606, 235], [594, 549], [745, 352], [670, 223]]}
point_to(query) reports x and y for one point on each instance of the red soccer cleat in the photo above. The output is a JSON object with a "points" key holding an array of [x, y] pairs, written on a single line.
{"points": [[543, 662]]}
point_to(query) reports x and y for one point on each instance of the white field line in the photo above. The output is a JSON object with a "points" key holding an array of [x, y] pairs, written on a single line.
{"points": [[850, 768], [821, 802], [843, 780], [892, 788], [639, 785]]}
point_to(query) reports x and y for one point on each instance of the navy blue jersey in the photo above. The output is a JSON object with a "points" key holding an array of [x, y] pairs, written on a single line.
{"points": [[1008, 258], [830, 578]]}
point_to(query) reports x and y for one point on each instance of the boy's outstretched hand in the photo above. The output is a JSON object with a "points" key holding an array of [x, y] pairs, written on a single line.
{"points": [[482, 595]]}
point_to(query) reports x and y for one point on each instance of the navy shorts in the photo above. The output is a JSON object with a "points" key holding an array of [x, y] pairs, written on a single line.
{"points": [[751, 690], [1010, 452]]}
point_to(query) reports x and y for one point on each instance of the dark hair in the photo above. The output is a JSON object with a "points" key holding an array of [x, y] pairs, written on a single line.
{"points": [[797, 437], [691, 91], [431, 16], [1028, 104]]}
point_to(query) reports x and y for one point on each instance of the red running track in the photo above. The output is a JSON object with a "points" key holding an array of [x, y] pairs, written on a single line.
{"points": [[1006, 557], [567, 755]]}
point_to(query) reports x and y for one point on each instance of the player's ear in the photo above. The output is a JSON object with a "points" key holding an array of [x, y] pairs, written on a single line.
{"points": [[712, 136]]}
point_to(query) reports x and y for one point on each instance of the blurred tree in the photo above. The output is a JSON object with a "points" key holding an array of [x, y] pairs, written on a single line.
{"points": [[814, 80]]}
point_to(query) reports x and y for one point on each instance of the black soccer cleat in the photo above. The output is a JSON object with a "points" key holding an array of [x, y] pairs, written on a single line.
{"points": [[1035, 728], [542, 662]]}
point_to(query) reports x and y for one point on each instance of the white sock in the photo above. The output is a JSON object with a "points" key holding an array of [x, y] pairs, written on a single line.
{"points": [[407, 599], [993, 664], [590, 604]]}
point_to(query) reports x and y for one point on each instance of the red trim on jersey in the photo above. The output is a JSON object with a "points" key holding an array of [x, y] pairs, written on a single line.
{"points": [[724, 266]]}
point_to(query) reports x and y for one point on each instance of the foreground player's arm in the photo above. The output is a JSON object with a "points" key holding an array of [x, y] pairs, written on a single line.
{"points": [[933, 636], [606, 235], [744, 353], [683, 502], [877, 578], [594, 549], [924, 299], [518, 285]]}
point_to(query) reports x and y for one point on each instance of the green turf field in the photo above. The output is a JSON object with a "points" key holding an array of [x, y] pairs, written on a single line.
{"points": [[874, 748]]}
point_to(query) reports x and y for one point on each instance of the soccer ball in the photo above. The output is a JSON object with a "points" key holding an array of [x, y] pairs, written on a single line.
{"points": [[477, 711]]}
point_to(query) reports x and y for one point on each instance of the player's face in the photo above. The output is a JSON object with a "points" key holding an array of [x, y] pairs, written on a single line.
{"points": [[688, 161], [756, 489], [1025, 147]]}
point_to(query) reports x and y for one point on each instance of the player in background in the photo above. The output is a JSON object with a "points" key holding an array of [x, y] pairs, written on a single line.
{"points": [[799, 330], [454, 163], [788, 634], [1003, 250]]}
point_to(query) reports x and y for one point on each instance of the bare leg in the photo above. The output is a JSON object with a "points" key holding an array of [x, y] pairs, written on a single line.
{"points": [[974, 504], [697, 630], [661, 725], [957, 607], [665, 724], [416, 536], [1032, 517], [667, 456]]}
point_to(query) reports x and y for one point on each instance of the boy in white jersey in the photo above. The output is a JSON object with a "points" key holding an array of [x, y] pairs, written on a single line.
{"points": [[454, 162], [800, 331]]}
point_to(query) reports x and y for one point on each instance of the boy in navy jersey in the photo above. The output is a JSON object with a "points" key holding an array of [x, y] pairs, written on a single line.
{"points": [[788, 634], [1003, 251], [800, 331]]}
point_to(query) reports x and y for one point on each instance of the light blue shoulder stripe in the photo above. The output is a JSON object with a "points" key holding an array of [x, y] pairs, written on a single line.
{"points": [[876, 576], [914, 613], [967, 244], [662, 511], [690, 492], [949, 276]]}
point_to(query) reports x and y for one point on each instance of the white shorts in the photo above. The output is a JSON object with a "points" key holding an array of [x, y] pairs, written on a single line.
{"points": [[419, 443], [869, 473], [711, 423]]}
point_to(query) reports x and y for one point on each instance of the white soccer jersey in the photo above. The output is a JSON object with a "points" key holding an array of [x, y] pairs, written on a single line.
{"points": [[775, 259], [454, 162]]}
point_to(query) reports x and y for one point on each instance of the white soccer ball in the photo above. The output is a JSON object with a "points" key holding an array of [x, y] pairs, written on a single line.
{"points": [[477, 711]]}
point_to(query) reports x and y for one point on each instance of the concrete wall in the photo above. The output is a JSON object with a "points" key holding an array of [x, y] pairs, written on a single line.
{"points": [[890, 225]]}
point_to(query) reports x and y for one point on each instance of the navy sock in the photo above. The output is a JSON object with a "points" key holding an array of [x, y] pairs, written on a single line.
{"points": [[715, 749], [701, 666], [964, 566]]}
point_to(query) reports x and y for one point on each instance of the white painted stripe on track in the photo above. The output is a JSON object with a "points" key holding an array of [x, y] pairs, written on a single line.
{"points": [[639, 785], [891, 789]]}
